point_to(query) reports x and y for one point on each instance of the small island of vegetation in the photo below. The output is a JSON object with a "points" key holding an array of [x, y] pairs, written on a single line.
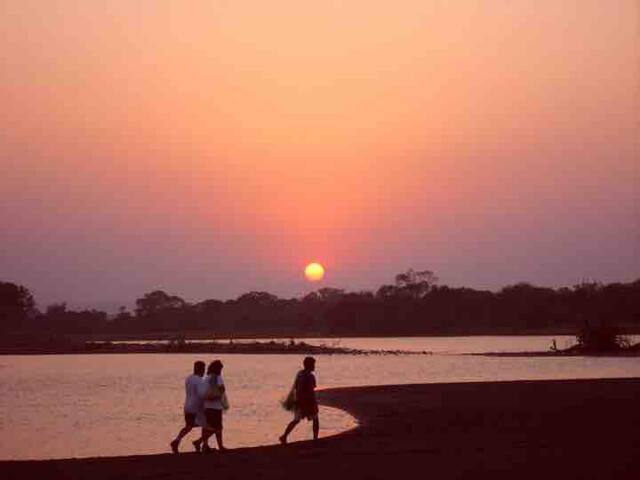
{"points": [[601, 340]]}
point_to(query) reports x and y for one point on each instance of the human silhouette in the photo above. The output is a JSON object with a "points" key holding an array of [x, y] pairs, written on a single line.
{"points": [[192, 405], [305, 403], [213, 393]]}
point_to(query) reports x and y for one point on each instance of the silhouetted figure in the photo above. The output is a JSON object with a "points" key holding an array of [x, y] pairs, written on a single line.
{"points": [[306, 405], [192, 405], [214, 396]]}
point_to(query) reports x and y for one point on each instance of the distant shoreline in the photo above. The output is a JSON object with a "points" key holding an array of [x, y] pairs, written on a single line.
{"points": [[158, 336], [272, 347], [298, 349], [552, 354], [79, 344]]}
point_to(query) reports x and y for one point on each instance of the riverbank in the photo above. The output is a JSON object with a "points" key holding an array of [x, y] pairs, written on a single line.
{"points": [[572, 429], [552, 354], [630, 350], [182, 346]]}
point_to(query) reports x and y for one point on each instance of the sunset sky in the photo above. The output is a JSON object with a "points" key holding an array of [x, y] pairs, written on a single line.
{"points": [[214, 147]]}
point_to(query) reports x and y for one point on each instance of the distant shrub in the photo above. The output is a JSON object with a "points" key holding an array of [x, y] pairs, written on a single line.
{"points": [[604, 338]]}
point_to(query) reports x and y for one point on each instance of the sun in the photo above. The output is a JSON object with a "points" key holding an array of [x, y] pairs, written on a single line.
{"points": [[314, 272]]}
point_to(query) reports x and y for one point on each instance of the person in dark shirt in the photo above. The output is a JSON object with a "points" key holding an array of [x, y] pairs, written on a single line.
{"points": [[306, 406]]}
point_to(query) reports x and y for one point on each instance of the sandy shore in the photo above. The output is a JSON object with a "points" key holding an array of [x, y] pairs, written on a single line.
{"points": [[518, 430]]}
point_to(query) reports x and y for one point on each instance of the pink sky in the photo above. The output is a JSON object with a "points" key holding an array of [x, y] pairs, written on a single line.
{"points": [[215, 147]]}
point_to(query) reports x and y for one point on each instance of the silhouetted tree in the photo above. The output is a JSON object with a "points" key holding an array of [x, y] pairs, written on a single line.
{"points": [[387, 292], [58, 318], [157, 302], [415, 283], [17, 307], [209, 306], [254, 299], [56, 309], [329, 294], [124, 316], [526, 305], [415, 304]]}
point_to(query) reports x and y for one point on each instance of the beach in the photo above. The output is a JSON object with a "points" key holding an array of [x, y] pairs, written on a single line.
{"points": [[569, 429]]}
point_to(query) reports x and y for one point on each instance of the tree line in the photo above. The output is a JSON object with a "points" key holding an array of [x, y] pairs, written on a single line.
{"points": [[414, 304]]}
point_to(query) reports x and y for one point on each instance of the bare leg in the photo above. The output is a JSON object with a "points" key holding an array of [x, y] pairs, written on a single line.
{"points": [[288, 430], [186, 429], [198, 441], [219, 440], [206, 434], [174, 444], [316, 427]]}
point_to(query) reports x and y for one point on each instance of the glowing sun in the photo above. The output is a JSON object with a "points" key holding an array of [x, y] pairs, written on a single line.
{"points": [[314, 272]]}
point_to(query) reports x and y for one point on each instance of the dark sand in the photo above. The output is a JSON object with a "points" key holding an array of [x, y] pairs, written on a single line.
{"points": [[579, 429]]}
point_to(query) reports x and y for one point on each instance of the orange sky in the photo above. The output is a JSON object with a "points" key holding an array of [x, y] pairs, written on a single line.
{"points": [[214, 147]]}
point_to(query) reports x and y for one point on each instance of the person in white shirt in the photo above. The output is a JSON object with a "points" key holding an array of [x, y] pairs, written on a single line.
{"points": [[212, 391], [193, 407]]}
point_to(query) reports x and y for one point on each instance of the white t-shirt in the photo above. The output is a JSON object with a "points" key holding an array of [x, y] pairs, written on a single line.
{"points": [[193, 400], [217, 404]]}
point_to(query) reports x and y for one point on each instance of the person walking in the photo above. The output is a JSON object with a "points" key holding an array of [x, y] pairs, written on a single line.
{"points": [[192, 406], [305, 403], [213, 393]]}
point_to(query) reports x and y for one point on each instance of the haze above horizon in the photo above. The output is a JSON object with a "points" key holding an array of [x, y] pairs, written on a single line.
{"points": [[211, 148]]}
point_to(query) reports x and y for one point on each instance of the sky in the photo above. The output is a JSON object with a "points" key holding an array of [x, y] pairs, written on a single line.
{"points": [[210, 148]]}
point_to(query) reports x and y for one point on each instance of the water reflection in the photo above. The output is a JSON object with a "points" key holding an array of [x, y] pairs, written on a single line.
{"points": [[97, 405]]}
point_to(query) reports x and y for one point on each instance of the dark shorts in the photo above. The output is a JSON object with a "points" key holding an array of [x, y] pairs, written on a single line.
{"points": [[214, 418], [306, 410]]}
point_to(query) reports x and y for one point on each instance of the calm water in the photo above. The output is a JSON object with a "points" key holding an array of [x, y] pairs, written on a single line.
{"points": [[97, 405], [439, 345]]}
